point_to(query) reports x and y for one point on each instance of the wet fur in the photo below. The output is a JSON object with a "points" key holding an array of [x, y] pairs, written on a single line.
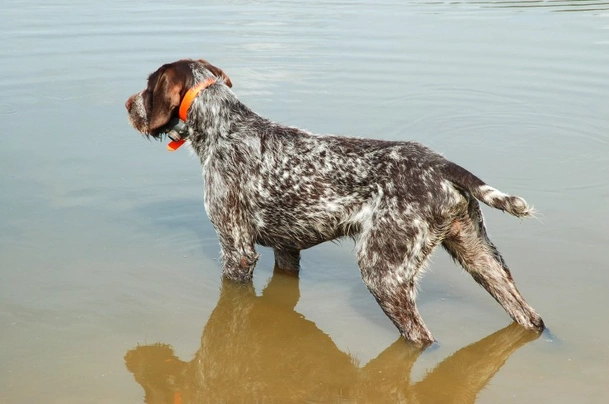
{"points": [[288, 189]]}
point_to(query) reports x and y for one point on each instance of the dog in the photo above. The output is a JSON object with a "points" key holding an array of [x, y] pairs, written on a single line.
{"points": [[289, 189]]}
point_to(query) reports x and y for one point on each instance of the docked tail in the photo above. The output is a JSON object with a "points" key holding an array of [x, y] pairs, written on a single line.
{"points": [[494, 198]]}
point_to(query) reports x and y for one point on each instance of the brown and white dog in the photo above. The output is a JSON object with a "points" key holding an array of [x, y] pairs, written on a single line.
{"points": [[288, 189]]}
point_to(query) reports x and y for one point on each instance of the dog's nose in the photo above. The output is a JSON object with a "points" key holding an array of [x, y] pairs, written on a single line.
{"points": [[129, 103]]}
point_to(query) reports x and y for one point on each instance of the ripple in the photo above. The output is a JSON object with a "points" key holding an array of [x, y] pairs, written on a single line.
{"points": [[8, 109], [549, 5]]}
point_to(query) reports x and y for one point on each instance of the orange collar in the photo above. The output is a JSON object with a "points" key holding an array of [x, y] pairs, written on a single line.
{"points": [[191, 95]]}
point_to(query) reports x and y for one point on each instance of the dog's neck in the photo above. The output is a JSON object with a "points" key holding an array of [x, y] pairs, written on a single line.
{"points": [[191, 95], [224, 131], [214, 113]]}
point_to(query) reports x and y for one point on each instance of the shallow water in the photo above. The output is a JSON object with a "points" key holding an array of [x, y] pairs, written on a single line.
{"points": [[110, 287]]}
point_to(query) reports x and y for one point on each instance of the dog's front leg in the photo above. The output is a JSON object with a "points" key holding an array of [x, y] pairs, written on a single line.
{"points": [[238, 256], [229, 216], [288, 260]]}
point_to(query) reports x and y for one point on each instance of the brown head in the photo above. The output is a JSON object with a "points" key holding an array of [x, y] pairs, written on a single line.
{"points": [[152, 108]]}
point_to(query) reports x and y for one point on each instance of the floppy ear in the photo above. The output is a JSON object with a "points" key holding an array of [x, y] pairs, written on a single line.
{"points": [[217, 72], [165, 99]]}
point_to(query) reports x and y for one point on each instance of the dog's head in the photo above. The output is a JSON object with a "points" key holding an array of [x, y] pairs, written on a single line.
{"points": [[152, 108]]}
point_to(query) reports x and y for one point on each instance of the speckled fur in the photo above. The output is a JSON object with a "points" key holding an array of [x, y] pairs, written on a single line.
{"points": [[288, 189]]}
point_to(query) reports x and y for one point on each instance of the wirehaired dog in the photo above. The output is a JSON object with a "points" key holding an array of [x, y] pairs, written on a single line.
{"points": [[288, 189]]}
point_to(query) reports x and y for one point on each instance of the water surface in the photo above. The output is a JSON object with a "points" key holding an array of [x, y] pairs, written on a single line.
{"points": [[110, 286]]}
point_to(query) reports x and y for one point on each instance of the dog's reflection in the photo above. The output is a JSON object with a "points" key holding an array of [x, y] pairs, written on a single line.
{"points": [[258, 349]]}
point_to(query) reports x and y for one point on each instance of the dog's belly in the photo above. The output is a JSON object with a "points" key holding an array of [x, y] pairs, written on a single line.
{"points": [[288, 244], [294, 230]]}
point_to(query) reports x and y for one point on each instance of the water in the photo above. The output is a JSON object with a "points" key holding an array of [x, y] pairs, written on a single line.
{"points": [[110, 287]]}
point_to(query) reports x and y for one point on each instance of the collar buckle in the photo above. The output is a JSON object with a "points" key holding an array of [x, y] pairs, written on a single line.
{"points": [[176, 130]]}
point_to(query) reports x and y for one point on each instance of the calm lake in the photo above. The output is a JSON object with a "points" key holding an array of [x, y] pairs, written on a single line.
{"points": [[110, 287]]}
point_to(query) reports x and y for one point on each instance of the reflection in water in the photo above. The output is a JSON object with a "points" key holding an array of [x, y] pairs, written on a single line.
{"points": [[258, 349]]}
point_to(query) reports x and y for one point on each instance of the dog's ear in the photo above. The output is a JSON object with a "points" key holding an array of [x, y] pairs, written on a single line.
{"points": [[217, 72], [166, 97]]}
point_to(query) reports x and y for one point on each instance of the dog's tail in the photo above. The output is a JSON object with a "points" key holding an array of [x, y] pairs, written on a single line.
{"points": [[467, 181]]}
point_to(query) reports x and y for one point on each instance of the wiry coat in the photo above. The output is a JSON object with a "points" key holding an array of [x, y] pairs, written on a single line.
{"points": [[289, 189]]}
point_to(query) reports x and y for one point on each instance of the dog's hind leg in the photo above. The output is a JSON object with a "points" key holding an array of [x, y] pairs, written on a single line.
{"points": [[391, 259], [468, 243]]}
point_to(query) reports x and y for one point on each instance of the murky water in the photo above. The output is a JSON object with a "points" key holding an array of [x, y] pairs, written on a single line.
{"points": [[110, 288]]}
